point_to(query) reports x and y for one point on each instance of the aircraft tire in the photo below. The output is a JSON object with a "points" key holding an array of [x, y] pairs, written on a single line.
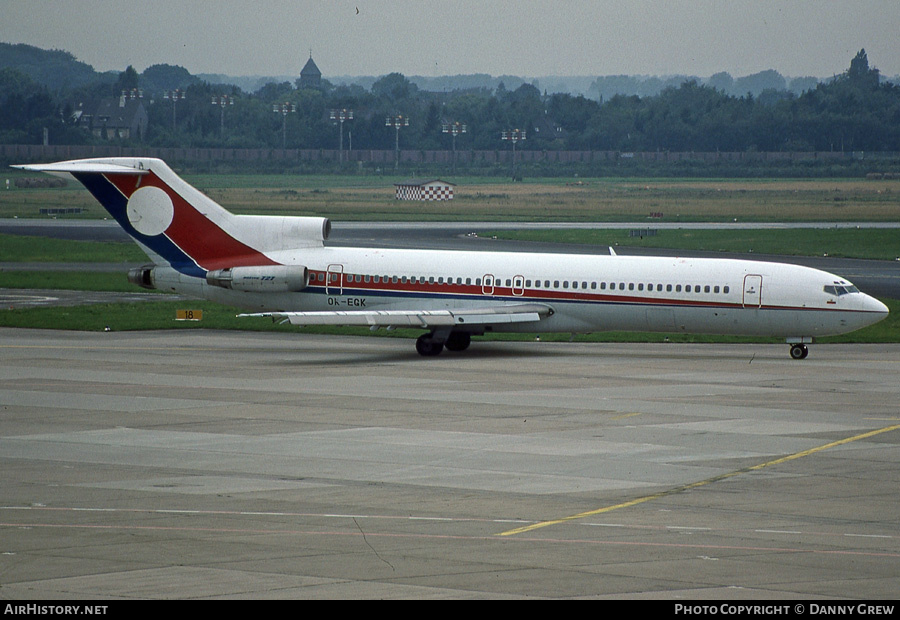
{"points": [[427, 346], [458, 341], [799, 351]]}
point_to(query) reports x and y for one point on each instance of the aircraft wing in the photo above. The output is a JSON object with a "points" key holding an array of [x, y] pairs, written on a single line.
{"points": [[423, 319]]}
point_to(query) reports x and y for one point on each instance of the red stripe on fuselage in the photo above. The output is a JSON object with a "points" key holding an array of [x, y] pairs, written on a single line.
{"points": [[448, 291], [347, 281], [198, 237]]}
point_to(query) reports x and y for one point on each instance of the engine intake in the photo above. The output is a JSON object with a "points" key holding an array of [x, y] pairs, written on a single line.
{"points": [[268, 278]]}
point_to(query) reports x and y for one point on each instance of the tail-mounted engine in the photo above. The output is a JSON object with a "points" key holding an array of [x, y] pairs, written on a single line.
{"points": [[142, 276], [268, 278]]}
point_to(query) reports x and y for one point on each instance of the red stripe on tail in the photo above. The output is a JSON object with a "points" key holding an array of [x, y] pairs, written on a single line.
{"points": [[201, 239]]}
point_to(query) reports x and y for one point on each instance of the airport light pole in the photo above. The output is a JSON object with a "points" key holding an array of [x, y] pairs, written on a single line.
{"points": [[397, 122], [341, 116], [222, 101], [284, 109], [175, 96], [454, 129], [513, 135]]}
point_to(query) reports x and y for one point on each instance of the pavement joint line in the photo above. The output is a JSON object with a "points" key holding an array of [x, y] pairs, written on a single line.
{"points": [[694, 485]]}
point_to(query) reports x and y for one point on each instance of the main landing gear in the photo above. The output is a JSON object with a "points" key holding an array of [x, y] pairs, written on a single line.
{"points": [[431, 344], [799, 351]]}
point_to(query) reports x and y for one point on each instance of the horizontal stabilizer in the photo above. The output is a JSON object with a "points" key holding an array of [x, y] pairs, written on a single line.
{"points": [[84, 167]]}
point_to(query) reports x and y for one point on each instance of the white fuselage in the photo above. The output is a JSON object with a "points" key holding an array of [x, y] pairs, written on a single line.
{"points": [[585, 293]]}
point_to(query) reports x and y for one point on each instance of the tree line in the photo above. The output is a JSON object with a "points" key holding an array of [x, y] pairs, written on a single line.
{"points": [[855, 111]]}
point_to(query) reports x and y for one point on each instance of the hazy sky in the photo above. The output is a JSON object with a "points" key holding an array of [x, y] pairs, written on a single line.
{"points": [[527, 38]]}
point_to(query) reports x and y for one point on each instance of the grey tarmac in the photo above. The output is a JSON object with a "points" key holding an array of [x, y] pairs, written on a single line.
{"points": [[210, 464]]}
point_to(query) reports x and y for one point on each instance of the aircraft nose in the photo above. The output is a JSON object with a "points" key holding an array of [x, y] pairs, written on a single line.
{"points": [[877, 310]]}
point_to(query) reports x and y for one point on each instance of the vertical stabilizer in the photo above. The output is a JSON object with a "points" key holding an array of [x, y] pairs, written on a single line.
{"points": [[176, 223]]}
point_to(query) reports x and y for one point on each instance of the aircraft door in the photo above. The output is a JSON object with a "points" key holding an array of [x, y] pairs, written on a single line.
{"points": [[487, 284], [752, 291], [334, 280], [518, 287]]}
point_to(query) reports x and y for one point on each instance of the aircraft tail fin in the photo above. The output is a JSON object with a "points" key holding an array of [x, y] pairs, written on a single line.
{"points": [[176, 223]]}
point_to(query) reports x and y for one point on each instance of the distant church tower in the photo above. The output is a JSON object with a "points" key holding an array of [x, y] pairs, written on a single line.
{"points": [[310, 76]]}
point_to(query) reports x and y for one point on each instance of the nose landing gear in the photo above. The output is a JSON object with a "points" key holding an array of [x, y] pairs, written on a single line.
{"points": [[799, 351]]}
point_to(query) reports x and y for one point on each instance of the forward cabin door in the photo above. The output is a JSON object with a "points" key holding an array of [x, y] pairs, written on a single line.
{"points": [[752, 291]]}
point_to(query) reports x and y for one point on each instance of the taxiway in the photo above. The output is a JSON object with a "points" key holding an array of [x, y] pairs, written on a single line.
{"points": [[204, 464]]}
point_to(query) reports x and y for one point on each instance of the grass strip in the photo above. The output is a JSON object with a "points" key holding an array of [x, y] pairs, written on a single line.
{"points": [[23, 248], [868, 243]]}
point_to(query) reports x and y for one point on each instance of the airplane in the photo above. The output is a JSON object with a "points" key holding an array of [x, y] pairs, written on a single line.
{"points": [[281, 267]]}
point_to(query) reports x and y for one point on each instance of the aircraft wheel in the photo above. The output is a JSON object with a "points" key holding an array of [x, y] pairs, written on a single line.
{"points": [[799, 351], [427, 346], [458, 341]]}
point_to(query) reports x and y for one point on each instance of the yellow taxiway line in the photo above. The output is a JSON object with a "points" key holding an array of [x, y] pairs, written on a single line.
{"points": [[694, 485]]}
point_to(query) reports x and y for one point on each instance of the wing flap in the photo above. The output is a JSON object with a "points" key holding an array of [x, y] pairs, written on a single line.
{"points": [[424, 319]]}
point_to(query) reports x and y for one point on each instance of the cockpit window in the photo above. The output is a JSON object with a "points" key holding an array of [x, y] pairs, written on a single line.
{"points": [[840, 289]]}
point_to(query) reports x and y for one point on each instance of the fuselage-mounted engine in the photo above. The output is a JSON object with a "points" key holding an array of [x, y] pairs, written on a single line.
{"points": [[261, 279]]}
